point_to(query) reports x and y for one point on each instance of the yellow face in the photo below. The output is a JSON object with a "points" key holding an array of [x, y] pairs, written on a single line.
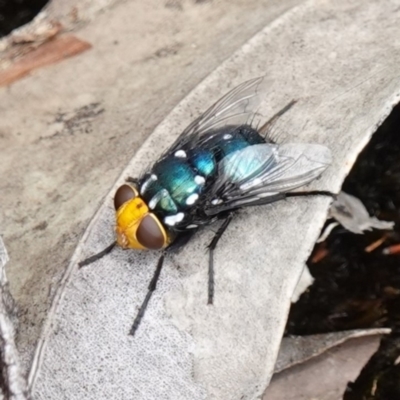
{"points": [[137, 227]]}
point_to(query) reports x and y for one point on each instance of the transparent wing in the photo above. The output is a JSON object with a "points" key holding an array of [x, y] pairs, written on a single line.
{"points": [[236, 108], [263, 173]]}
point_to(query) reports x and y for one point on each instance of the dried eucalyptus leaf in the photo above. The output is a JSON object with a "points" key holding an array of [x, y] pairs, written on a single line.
{"points": [[304, 282], [351, 213], [185, 349], [326, 376], [298, 349]]}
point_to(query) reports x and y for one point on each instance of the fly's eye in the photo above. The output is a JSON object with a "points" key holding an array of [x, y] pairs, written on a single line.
{"points": [[149, 234], [123, 194]]}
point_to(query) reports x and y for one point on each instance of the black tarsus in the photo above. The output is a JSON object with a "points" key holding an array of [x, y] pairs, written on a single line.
{"points": [[266, 128], [151, 288], [312, 193], [97, 256], [211, 248], [281, 112]]}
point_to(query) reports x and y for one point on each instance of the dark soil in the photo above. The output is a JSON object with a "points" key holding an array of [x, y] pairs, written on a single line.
{"points": [[15, 13], [356, 285]]}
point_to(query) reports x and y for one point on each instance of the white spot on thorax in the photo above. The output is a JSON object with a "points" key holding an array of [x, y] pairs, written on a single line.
{"points": [[192, 199], [180, 154], [172, 220], [147, 182], [216, 201], [199, 180]]}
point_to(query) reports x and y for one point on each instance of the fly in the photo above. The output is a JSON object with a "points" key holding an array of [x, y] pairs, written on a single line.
{"points": [[218, 165]]}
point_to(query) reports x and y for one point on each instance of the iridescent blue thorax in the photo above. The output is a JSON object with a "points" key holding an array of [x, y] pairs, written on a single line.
{"points": [[177, 182]]}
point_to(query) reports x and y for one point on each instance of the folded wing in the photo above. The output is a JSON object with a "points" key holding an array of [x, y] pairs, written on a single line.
{"points": [[263, 173]]}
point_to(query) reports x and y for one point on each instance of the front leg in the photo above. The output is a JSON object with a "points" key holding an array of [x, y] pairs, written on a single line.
{"points": [[211, 248], [130, 179], [150, 290], [97, 256]]}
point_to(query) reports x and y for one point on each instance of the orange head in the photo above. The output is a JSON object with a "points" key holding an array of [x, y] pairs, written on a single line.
{"points": [[137, 227]]}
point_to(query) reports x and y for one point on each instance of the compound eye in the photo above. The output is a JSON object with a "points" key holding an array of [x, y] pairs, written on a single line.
{"points": [[124, 194], [149, 234]]}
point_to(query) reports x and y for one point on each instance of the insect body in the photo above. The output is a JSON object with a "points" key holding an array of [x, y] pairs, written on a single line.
{"points": [[181, 192], [219, 164]]}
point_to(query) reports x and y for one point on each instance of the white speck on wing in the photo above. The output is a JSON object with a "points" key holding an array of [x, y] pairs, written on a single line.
{"points": [[172, 220], [255, 182], [192, 226], [216, 201], [227, 136], [192, 199], [180, 154], [199, 180]]}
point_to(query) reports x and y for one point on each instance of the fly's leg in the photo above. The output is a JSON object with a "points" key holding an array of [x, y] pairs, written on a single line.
{"points": [[312, 193], [151, 288], [211, 249], [108, 249], [97, 256], [132, 180], [278, 114], [266, 129]]}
